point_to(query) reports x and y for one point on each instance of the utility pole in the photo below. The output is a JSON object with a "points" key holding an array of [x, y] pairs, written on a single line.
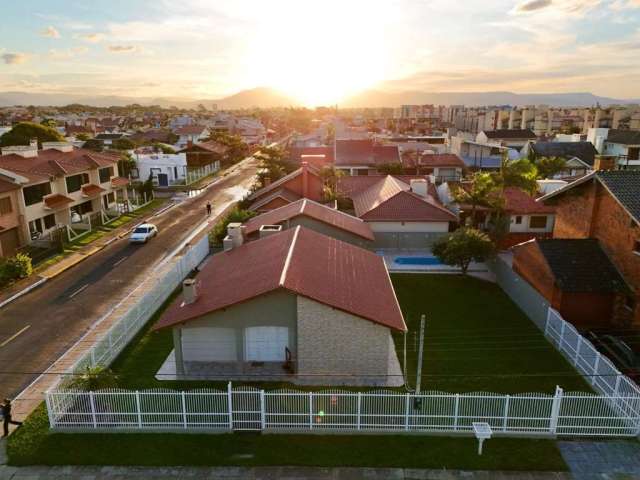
{"points": [[423, 320]]}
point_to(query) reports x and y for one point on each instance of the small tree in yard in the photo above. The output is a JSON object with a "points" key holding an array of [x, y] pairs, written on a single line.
{"points": [[95, 378], [237, 215], [462, 247]]}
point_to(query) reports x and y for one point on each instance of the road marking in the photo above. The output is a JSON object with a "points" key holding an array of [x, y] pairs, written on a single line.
{"points": [[12, 337], [120, 261], [78, 291]]}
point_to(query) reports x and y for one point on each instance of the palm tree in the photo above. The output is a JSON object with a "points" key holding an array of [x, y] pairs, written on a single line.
{"points": [[95, 378], [482, 191]]}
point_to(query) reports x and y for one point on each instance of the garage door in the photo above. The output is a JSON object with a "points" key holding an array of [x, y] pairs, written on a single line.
{"points": [[207, 344], [266, 344]]}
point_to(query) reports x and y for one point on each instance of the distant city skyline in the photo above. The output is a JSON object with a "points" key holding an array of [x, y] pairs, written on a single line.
{"points": [[320, 52]]}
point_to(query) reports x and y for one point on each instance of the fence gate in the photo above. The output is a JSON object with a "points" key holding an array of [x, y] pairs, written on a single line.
{"points": [[247, 407]]}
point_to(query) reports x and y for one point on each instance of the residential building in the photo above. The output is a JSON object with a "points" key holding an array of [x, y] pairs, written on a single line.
{"points": [[478, 155], [363, 157], [12, 235], [191, 133], [294, 306], [623, 144], [62, 183], [580, 156], [605, 206], [445, 167], [204, 153], [163, 168], [515, 139]]}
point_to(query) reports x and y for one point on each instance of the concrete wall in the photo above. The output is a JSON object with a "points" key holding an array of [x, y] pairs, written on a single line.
{"points": [[274, 309], [408, 235], [331, 341]]}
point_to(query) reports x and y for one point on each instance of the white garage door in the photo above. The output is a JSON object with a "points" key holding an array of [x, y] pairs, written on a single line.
{"points": [[208, 344], [266, 344]]}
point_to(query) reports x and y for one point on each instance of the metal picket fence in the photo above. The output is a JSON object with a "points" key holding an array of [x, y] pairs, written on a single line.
{"points": [[288, 410]]}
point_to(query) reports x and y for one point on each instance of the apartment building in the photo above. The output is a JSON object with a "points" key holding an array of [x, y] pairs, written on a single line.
{"points": [[59, 184]]}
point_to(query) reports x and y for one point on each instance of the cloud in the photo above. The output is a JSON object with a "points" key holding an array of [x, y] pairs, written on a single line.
{"points": [[50, 32], [14, 58], [122, 48], [532, 5], [91, 37]]}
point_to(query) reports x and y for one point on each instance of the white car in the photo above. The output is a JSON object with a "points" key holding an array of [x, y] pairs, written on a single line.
{"points": [[142, 233]]}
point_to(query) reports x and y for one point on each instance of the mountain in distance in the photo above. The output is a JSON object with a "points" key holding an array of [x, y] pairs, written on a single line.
{"points": [[268, 97]]}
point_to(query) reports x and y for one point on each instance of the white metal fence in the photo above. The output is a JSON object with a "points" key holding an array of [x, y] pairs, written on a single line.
{"points": [[120, 334], [247, 408]]}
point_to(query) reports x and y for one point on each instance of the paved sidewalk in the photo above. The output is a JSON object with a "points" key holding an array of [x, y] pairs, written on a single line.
{"points": [[603, 459]]}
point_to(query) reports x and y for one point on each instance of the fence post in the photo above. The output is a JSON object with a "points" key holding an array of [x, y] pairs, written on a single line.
{"points": [[555, 410], [617, 387], [50, 412], [596, 364], [359, 410], [263, 419], [138, 409], [184, 410], [406, 411], [93, 410], [230, 406], [506, 413], [310, 410], [455, 413], [546, 325], [575, 360], [560, 342]]}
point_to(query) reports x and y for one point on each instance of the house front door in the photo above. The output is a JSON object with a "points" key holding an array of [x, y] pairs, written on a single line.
{"points": [[163, 180]]}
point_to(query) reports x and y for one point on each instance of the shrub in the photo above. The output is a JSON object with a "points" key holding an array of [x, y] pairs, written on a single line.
{"points": [[220, 230], [15, 268], [463, 246]]}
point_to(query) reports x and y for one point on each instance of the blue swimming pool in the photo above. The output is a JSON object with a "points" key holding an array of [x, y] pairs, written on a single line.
{"points": [[417, 261]]}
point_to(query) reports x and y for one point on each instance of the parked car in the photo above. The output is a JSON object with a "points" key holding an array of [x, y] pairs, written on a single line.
{"points": [[618, 351], [143, 233]]}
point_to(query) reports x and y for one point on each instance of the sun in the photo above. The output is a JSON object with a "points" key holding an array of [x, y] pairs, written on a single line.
{"points": [[324, 58]]}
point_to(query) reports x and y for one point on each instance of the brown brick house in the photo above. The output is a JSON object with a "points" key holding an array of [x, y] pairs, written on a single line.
{"points": [[605, 205], [575, 275]]}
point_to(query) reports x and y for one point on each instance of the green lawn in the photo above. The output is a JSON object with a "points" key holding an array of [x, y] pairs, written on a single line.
{"points": [[476, 339], [32, 444]]}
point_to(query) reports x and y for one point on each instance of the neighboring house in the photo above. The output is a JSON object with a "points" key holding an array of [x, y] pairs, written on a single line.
{"points": [[304, 182], [312, 215], [403, 215], [445, 167], [164, 168], [580, 156], [12, 235], [575, 276], [204, 153], [624, 144], [528, 219], [605, 205], [62, 183], [297, 305], [363, 157], [511, 138], [191, 133], [107, 139], [316, 156], [153, 135], [250, 130], [480, 156]]}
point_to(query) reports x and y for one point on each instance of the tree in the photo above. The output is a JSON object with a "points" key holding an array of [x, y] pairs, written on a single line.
{"points": [[482, 191], [330, 177], [23, 132], [395, 168], [48, 122], [95, 378], [519, 173], [164, 148], [126, 164], [237, 215], [273, 165], [462, 247], [83, 137], [94, 144], [123, 144], [548, 167]]}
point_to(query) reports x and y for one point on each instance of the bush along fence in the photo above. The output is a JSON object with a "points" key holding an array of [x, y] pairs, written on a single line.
{"points": [[614, 411]]}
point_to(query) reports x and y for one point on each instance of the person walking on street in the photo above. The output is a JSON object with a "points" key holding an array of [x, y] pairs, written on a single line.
{"points": [[5, 409], [208, 209]]}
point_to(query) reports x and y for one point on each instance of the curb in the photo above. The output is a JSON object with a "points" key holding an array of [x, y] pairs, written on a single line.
{"points": [[23, 291]]}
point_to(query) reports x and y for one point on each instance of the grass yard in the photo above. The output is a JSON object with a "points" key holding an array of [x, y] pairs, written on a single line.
{"points": [[32, 444], [476, 339]]}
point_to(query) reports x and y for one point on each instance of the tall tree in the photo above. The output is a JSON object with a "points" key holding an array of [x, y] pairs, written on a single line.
{"points": [[482, 191], [462, 247], [23, 132], [273, 164], [548, 167], [518, 173], [330, 177]]}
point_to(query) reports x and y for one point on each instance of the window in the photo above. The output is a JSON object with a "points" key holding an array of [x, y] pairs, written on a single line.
{"points": [[75, 182], [518, 219], [34, 193], [5, 206], [105, 174], [538, 221], [111, 197], [134, 173], [83, 208], [636, 247], [35, 228], [50, 221]]}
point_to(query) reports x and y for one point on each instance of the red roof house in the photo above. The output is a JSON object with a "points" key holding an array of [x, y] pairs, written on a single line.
{"points": [[304, 182]]}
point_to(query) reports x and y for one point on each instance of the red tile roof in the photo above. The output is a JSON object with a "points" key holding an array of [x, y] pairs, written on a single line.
{"points": [[191, 130], [6, 186], [209, 146], [390, 199], [57, 200], [52, 162], [365, 152], [274, 186], [309, 208], [441, 160], [518, 201], [283, 193], [119, 182], [352, 185], [92, 190], [303, 262], [296, 153]]}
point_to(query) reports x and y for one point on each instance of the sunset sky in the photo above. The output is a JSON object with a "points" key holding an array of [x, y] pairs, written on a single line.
{"points": [[319, 51]]}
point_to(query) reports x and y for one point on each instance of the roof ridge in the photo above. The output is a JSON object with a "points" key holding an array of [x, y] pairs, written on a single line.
{"points": [[287, 261]]}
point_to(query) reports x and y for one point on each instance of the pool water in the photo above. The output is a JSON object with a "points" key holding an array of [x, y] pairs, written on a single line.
{"points": [[417, 261]]}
